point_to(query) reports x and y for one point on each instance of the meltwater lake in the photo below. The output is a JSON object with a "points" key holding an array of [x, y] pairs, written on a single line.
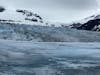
{"points": [[49, 58]]}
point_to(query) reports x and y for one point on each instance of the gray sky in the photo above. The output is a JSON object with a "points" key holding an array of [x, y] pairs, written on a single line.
{"points": [[56, 10]]}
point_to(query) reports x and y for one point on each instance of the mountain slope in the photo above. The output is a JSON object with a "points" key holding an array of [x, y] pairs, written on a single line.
{"points": [[91, 23], [20, 17]]}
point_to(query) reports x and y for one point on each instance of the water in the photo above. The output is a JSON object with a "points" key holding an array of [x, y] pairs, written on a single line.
{"points": [[35, 58]]}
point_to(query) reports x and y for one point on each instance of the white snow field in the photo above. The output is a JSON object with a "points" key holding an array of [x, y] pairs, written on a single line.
{"points": [[39, 58]]}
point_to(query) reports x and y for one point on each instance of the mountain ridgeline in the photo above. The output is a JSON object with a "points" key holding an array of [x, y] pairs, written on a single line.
{"points": [[93, 24], [19, 16]]}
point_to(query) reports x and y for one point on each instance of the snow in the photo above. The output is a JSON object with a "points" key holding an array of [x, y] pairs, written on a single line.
{"points": [[18, 18], [92, 17]]}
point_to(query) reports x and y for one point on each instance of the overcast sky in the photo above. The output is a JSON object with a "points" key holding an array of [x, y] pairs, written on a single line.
{"points": [[56, 10]]}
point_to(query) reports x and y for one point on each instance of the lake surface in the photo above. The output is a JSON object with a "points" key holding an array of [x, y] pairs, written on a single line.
{"points": [[39, 58]]}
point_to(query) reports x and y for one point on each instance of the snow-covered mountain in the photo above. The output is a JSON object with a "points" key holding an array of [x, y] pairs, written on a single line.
{"points": [[20, 16], [89, 23]]}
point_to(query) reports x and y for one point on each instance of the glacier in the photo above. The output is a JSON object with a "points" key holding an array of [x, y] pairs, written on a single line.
{"points": [[22, 32]]}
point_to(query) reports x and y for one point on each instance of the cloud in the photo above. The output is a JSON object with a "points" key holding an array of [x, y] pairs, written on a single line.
{"points": [[71, 4], [79, 4]]}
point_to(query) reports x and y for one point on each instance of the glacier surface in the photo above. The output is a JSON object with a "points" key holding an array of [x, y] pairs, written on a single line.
{"points": [[46, 33]]}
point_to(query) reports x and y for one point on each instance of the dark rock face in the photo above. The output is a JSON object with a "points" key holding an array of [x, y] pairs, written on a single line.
{"points": [[33, 19], [30, 16], [90, 25], [2, 9]]}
